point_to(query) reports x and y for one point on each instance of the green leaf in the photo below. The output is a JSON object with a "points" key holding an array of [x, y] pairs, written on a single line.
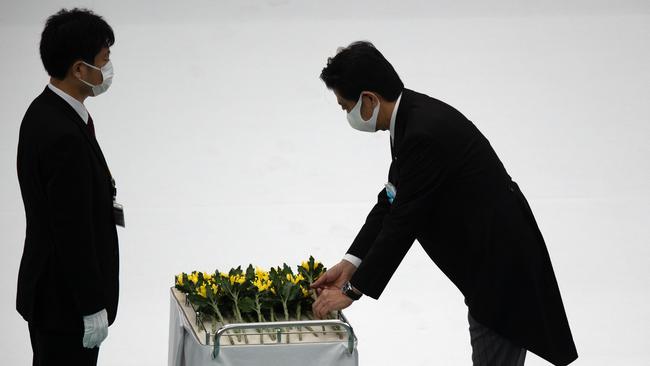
{"points": [[250, 272], [246, 304]]}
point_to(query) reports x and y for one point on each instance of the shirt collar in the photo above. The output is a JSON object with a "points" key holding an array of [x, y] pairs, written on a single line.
{"points": [[393, 117], [75, 104]]}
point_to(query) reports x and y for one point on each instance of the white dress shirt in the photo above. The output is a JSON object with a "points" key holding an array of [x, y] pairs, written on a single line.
{"points": [[75, 104], [356, 261], [393, 117]]}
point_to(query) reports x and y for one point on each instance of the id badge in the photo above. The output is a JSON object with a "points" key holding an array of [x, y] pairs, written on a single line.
{"points": [[391, 192], [118, 213]]}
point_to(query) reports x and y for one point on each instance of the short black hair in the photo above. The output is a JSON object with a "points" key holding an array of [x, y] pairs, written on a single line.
{"points": [[71, 35], [358, 67]]}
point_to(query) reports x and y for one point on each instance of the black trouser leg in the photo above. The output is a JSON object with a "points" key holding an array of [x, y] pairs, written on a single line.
{"points": [[490, 349], [52, 348]]}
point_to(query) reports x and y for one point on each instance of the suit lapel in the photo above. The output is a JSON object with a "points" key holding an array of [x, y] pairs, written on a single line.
{"points": [[75, 118]]}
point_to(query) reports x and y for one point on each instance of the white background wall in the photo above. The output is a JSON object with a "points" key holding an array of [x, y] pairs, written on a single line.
{"points": [[228, 149]]}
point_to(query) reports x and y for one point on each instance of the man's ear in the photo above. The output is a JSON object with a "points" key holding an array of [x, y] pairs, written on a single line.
{"points": [[374, 98], [75, 70]]}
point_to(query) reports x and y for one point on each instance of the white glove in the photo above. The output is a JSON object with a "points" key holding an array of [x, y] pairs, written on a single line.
{"points": [[95, 329]]}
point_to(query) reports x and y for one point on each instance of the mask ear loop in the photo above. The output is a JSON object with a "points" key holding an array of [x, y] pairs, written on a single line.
{"points": [[87, 83], [92, 67]]}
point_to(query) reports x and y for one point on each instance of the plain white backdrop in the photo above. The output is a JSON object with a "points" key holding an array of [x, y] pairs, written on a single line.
{"points": [[228, 149]]}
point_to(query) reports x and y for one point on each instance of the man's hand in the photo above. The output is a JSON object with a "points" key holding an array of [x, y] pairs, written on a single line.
{"points": [[95, 329], [329, 300], [335, 277]]}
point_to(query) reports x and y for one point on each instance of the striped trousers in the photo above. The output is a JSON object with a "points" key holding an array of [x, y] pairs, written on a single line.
{"points": [[490, 349]]}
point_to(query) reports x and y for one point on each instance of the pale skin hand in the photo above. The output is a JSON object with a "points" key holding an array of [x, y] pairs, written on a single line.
{"points": [[336, 276], [331, 299], [329, 285]]}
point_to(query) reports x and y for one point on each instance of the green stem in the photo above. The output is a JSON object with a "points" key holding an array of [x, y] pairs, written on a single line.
{"points": [[298, 308], [311, 317], [286, 317], [240, 319], [272, 334], [221, 319], [260, 317], [235, 312]]}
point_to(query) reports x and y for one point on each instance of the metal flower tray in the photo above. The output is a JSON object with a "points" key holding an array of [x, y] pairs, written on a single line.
{"points": [[233, 334]]}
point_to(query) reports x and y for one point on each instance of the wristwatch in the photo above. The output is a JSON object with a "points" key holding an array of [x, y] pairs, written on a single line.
{"points": [[350, 291]]}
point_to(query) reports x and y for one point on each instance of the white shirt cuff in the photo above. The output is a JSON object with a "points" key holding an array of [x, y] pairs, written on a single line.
{"points": [[356, 261]]}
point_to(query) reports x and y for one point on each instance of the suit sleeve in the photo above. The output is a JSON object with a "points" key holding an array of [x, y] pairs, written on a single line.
{"points": [[68, 192], [421, 172], [371, 227]]}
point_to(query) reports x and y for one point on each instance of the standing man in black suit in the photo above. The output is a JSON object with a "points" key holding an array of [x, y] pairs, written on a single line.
{"points": [[68, 279], [448, 189]]}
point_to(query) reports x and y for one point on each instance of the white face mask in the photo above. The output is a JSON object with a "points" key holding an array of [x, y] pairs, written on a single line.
{"points": [[358, 123], [107, 78]]}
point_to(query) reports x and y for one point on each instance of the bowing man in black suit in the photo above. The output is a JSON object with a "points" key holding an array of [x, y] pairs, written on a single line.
{"points": [[68, 278], [448, 189]]}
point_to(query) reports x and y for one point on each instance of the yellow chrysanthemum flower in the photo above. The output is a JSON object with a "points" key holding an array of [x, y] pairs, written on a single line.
{"points": [[193, 277], [294, 279], [179, 279], [237, 279], [305, 292], [262, 284], [215, 289], [305, 265], [203, 291], [260, 272]]}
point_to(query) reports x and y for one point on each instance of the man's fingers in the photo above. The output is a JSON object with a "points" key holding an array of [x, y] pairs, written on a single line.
{"points": [[321, 280], [331, 275], [318, 307], [315, 308]]}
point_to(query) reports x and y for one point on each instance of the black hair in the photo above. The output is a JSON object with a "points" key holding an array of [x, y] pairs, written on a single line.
{"points": [[358, 67], [71, 35]]}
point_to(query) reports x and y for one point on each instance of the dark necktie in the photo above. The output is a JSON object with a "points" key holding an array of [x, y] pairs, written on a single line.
{"points": [[91, 126]]}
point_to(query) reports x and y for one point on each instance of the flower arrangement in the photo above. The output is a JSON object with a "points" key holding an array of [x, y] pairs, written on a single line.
{"points": [[252, 295]]}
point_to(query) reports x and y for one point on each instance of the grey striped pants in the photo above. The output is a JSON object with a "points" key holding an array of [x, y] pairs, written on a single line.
{"points": [[490, 349]]}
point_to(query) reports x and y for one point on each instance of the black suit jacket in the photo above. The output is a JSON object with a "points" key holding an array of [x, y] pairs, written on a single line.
{"points": [[455, 197], [69, 266]]}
